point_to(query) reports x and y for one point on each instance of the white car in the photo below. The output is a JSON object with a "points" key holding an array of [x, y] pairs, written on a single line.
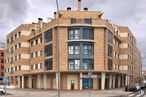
{"points": [[137, 86], [2, 91]]}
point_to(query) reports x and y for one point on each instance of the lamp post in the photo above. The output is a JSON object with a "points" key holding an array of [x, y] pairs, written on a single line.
{"points": [[57, 51]]}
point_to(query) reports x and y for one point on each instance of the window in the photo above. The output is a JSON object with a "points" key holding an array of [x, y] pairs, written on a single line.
{"points": [[2, 60], [110, 37], [20, 56], [110, 51], [88, 49], [48, 64], [15, 36], [19, 45], [41, 53], [2, 54], [88, 21], [48, 50], [31, 55], [31, 67], [31, 43], [15, 57], [40, 65], [88, 33], [48, 36], [15, 68], [36, 54], [8, 41], [74, 49], [36, 41], [74, 64], [40, 40], [19, 67], [36, 66], [15, 47], [110, 64], [88, 64], [75, 33], [73, 20], [19, 34]]}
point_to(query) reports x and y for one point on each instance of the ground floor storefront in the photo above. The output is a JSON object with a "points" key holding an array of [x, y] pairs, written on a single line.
{"points": [[72, 81]]}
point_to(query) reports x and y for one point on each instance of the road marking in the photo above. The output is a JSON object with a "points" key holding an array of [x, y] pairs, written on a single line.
{"points": [[131, 95]]}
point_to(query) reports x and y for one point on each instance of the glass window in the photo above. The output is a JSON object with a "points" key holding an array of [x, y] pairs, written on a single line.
{"points": [[74, 64], [110, 51], [48, 64], [74, 34], [73, 20], [48, 36], [71, 50], [36, 66], [110, 37], [87, 83], [110, 64], [36, 54], [88, 21], [48, 50], [88, 64]]}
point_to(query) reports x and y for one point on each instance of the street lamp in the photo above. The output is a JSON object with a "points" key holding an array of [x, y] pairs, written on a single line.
{"points": [[57, 51]]}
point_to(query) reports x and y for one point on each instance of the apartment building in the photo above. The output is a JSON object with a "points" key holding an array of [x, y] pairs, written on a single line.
{"points": [[1, 62], [93, 53]]}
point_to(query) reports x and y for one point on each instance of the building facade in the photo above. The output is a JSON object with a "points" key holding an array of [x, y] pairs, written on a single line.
{"points": [[1, 62], [93, 53]]}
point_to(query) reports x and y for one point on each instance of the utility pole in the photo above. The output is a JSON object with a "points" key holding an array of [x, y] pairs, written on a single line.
{"points": [[57, 51]]}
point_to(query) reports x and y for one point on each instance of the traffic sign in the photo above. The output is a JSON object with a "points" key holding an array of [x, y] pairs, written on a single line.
{"points": [[5, 80]]}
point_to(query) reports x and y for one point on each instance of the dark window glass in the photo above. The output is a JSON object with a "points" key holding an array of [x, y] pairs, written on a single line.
{"points": [[88, 49], [2, 54], [7, 41], [31, 67], [36, 41], [16, 68], [110, 51], [40, 40], [48, 64], [36, 54], [15, 36], [19, 67], [19, 45], [74, 49], [19, 34], [87, 83], [40, 65], [36, 66], [48, 50], [48, 35], [110, 37], [2, 60], [80, 33], [74, 34], [41, 53], [31, 43], [19, 56], [88, 64], [31, 55], [74, 64], [88, 33], [88, 21], [110, 64], [73, 20]]}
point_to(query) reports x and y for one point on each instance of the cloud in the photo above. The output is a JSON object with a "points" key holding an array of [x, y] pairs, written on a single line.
{"points": [[12, 13], [129, 13]]}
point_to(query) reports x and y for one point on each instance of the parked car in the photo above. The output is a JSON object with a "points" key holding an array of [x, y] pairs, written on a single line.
{"points": [[2, 91], [132, 87]]}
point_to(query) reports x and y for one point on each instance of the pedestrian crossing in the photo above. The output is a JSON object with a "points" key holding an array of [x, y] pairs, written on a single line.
{"points": [[137, 94]]}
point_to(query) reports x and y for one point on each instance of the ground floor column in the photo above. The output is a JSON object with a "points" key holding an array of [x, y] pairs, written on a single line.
{"points": [[114, 78], [57, 80], [39, 81], [22, 82], [103, 81], [110, 81], [30, 81], [119, 81], [18, 79], [81, 80], [45, 81]]}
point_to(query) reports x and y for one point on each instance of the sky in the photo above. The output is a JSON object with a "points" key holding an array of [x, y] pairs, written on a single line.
{"points": [[131, 13]]}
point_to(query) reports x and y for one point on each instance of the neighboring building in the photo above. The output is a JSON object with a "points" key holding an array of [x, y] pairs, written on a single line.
{"points": [[1, 62], [87, 43]]}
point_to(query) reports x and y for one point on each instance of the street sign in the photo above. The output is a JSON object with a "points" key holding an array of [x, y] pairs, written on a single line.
{"points": [[5, 80]]}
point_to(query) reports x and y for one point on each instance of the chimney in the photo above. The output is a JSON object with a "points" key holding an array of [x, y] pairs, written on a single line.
{"points": [[40, 22], [85, 9], [55, 15], [68, 8], [79, 5]]}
